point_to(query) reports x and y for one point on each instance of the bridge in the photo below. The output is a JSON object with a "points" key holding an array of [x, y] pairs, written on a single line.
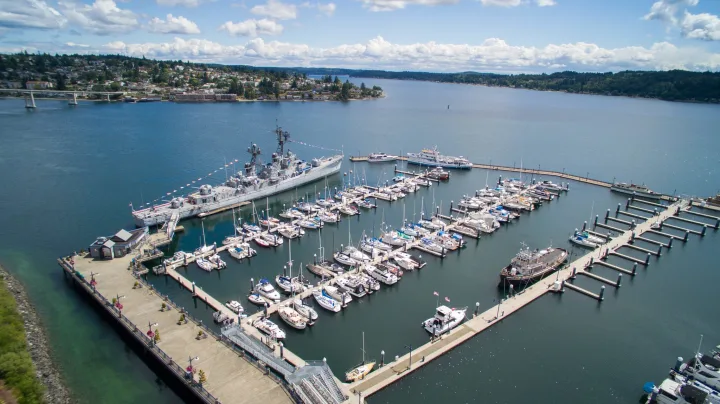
{"points": [[30, 94]]}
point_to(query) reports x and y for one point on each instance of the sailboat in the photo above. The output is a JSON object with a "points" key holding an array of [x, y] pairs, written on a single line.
{"points": [[204, 248], [288, 283], [359, 372]]}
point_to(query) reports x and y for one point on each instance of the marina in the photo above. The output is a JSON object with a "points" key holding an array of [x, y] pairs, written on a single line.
{"points": [[259, 337]]}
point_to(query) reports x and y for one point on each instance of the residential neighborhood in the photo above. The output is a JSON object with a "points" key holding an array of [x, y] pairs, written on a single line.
{"points": [[140, 79]]}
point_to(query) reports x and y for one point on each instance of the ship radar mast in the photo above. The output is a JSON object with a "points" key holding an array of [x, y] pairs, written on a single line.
{"points": [[254, 151], [282, 138]]}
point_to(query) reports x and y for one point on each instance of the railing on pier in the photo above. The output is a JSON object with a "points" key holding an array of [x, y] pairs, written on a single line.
{"points": [[257, 349], [315, 384]]}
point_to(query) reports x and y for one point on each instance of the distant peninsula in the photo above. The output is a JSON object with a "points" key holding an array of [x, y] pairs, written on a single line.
{"points": [[672, 85]]}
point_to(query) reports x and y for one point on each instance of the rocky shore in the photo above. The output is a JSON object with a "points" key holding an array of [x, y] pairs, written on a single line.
{"points": [[46, 370]]}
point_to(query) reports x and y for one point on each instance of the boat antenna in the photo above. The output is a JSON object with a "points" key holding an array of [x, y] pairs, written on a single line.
{"points": [[282, 138]]}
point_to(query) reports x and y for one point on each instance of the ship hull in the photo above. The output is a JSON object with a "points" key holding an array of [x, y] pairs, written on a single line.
{"points": [[436, 164], [142, 220], [641, 194]]}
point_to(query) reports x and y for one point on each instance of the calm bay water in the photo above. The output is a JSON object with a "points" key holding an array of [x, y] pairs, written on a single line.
{"points": [[70, 173]]}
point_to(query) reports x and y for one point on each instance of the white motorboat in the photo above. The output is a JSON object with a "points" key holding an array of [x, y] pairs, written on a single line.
{"points": [[329, 217], [306, 311], [578, 239], [365, 203], [380, 158], [677, 392], [391, 267], [371, 285], [205, 264], [266, 290], [255, 298], [290, 231], [220, 317], [430, 244], [290, 316], [269, 328], [444, 320], [235, 306], [217, 261], [429, 225], [240, 251], [703, 368], [272, 239], [326, 302], [349, 210], [418, 262], [405, 263], [232, 240], [252, 227], [309, 224], [380, 274], [337, 294], [353, 285]]}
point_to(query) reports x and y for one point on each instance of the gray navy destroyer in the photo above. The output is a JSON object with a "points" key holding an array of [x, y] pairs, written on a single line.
{"points": [[286, 171]]}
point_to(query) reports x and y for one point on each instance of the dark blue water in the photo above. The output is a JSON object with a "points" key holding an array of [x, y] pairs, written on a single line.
{"points": [[69, 175]]}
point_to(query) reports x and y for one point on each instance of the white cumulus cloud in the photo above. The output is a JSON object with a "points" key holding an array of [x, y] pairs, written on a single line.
{"points": [[327, 9], [76, 45], [492, 55], [103, 17], [501, 3], [546, 3], [173, 3], [173, 25], [391, 5], [29, 14], [276, 9], [701, 26], [666, 10], [252, 28]]}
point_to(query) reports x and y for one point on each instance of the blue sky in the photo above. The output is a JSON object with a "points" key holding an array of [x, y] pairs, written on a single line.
{"points": [[430, 35]]}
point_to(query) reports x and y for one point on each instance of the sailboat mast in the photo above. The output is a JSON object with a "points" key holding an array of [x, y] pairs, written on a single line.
{"points": [[363, 349], [202, 223]]}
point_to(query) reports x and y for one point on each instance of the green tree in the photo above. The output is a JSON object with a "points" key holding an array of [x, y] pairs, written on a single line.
{"points": [[115, 86], [276, 90], [61, 82]]}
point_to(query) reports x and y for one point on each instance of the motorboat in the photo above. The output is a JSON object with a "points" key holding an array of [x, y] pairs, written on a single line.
{"points": [[365, 203], [266, 290], [241, 250], [255, 298], [578, 239], [306, 311], [220, 317], [405, 263], [370, 244], [353, 285], [269, 328], [438, 173], [391, 267], [371, 285], [381, 274], [235, 306], [269, 222], [702, 367], [444, 320], [217, 261], [329, 217], [468, 203], [418, 262], [252, 227], [205, 264], [429, 224], [380, 158], [341, 296], [349, 210], [272, 239], [309, 224], [431, 245], [422, 182], [292, 213], [290, 316], [290, 231], [307, 207], [676, 392], [325, 203], [326, 302]]}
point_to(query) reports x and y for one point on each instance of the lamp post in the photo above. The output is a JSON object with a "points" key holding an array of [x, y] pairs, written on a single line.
{"points": [[410, 360]]}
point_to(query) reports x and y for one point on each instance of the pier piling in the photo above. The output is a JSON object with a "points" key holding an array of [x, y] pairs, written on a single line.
{"points": [[584, 225], [647, 259], [627, 204], [617, 210], [659, 252], [602, 293], [596, 220], [687, 235], [634, 269], [702, 233], [619, 281], [382, 358], [669, 244]]}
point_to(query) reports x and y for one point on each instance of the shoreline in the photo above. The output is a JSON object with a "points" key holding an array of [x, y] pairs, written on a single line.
{"points": [[8, 97], [47, 371]]}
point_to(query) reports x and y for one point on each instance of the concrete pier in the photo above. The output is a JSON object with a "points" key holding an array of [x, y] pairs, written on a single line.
{"points": [[633, 215], [627, 257], [581, 290], [652, 212], [598, 278], [686, 220], [615, 267], [615, 229], [705, 215], [672, 226]]}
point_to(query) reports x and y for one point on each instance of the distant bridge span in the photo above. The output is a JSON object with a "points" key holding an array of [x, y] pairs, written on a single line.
{"points": [[30, 94]]}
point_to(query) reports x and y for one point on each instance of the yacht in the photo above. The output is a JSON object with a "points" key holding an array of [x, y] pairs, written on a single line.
{"points": [[272, 239], [289, 285], [578, 239], [292, 213], [380, 158], [431, 245], [430, 225], [235, 306], [432, 158], [703, 368], [326, 302], [266, 290], [255, 298], [290, 231], [373, 244], [381, 274], [309, 224], [220, 317], [329, 217], [365, 203], [444, 320], [438, 174], [418, 262], [405, 263], [353, 285], [344, 259], [390, 267], [371, 285], [306, 311], [337, 294], [290, 316], [674, 392], [269, 328], [241, 250]]}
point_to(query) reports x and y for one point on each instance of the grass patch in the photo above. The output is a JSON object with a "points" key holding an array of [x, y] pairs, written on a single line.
{"points": [[16, 368]]}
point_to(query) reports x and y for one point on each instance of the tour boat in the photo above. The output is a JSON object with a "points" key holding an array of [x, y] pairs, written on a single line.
{"points": [[255, 298], [444, 320], [360, 371], [306, 311], [205, 264], [528, 266], [235, 306], [292, 317], [326, 302], [269, 328], [337, 294], [380, 158], [266, 290]]}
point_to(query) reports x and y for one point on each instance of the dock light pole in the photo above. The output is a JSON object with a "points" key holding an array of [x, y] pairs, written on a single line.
{"points": [[410, 360]]}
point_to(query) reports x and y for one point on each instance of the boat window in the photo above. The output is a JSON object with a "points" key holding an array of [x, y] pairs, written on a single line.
{"points": [[706, 374], [667, 394]]}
